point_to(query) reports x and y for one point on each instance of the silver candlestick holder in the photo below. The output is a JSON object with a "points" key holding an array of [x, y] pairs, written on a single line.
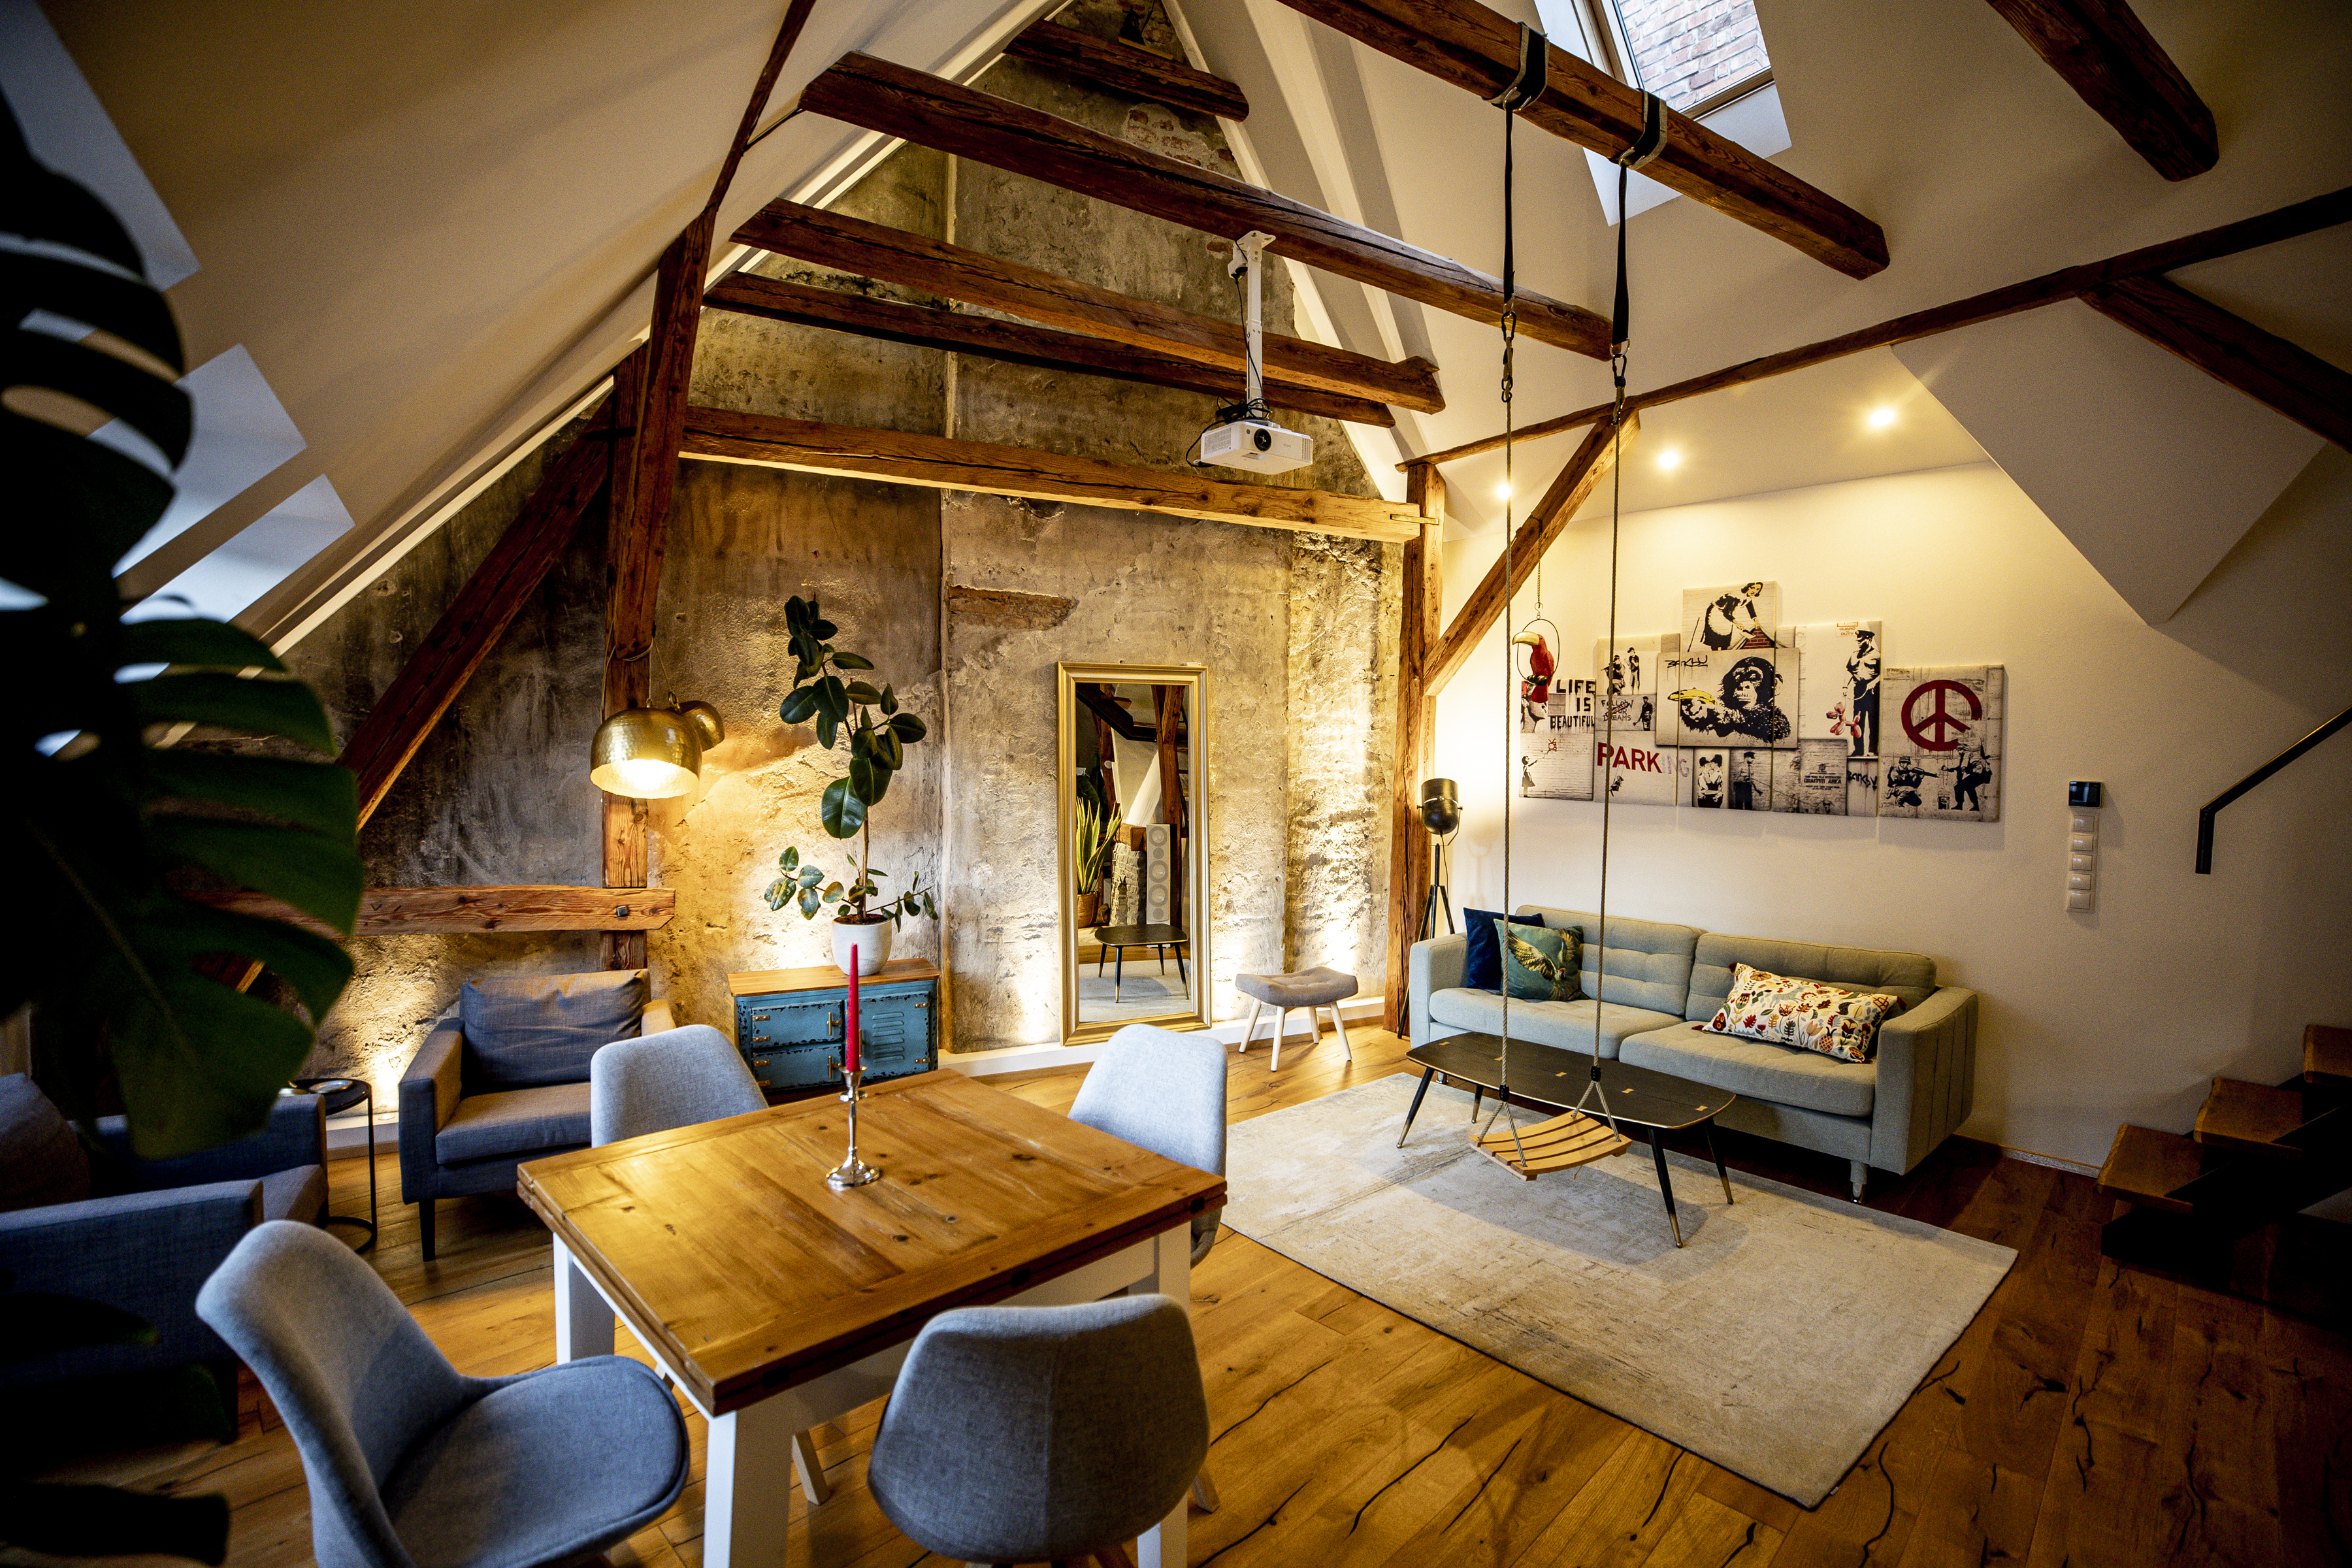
{"points": [[852, 1171]]}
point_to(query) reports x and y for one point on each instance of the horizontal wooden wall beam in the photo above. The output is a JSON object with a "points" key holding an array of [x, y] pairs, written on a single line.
{"points": [[1123, 67], [938, 462], [1545, 520], [1017, 343], [2067, 283], [1477, 49], [2298, 384], [894, 256], [875, 95], [2101, 49], [416, 911], [446, 658]]}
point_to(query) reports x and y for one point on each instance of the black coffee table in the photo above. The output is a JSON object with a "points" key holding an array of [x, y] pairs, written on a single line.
{"points": [[1117, 939], [1638, 1097]]}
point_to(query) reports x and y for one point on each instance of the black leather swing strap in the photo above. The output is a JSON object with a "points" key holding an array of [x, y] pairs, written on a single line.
{"points": [[1534, 70], [1653, 138]]}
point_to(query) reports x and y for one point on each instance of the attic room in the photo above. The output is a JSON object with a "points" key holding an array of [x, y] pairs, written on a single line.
{"points": [[1502, 781]]}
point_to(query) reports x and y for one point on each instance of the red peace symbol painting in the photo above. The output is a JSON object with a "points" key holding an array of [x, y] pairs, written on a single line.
{"points": [[1939, 729]]}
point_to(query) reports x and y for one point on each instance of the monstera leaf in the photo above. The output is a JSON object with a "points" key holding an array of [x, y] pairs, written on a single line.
{"points": [[112, 834]]}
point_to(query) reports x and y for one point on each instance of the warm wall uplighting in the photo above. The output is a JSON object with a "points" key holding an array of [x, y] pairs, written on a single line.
{"points": [[1670, 459], [1881, 417], [1503, 490]]}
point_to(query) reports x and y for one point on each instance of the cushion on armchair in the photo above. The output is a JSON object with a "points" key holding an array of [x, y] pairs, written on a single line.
{"points": [[527, 1031], [42, 1160]]}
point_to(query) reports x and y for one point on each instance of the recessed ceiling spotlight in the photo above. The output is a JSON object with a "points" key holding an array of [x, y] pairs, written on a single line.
{"points": [[1882, 417], [1503, 490], [1670, 459]]}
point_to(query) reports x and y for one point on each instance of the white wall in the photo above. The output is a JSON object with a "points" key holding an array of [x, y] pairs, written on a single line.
{"points": [[2088, 1019]]}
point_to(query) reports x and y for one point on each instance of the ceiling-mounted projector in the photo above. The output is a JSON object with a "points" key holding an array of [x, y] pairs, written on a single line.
{"points": [[1248, 437]]}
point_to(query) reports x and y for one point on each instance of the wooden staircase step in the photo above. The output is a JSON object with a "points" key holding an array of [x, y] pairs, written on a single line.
{"points": [[2241, 1115], [2145, 1166], [2327, 1054]]}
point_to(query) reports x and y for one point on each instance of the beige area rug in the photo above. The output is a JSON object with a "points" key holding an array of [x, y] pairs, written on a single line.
{"points": [[1777, 1343]]}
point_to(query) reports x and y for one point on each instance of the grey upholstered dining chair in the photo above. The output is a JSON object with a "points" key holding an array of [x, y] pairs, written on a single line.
{"points": [[410, 1462], [680, 1077], [1021, 1434]]}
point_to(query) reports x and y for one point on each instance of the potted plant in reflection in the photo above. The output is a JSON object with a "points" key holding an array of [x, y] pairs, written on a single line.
{"points": [[868, 718], [1091, 833]]}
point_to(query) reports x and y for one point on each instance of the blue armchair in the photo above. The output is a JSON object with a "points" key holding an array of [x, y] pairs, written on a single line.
{"points": [[140, 1235]]}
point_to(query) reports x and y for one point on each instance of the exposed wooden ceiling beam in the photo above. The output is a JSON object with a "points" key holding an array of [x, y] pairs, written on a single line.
{"points": [[416, 911], [2298, 384], [446, 658], [1123, 67], [1545, 520], [893, 255], [1015, 341], [938, 462], [2067, 283], [876, 95], [1463, 42], [2106, 56]]}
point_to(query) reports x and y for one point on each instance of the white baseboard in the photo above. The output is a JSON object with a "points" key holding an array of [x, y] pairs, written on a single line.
{"points": [[347, 1136], [1030, 1059], [2054, 1162]]}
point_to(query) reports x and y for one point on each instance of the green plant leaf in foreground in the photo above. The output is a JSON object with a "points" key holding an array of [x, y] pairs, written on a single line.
{"points": [[106, 1522]]}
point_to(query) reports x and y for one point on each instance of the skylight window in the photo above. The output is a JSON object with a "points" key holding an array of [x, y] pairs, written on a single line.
{"points": [[1698, 55]]}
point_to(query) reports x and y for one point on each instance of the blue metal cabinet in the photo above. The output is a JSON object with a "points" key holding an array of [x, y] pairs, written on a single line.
{"points": [[789, 1024]]}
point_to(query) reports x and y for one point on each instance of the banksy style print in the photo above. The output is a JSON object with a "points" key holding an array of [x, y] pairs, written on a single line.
{"points": [[1735, 698], [1840, 696], [1556, 744], [1739, 615], [1941, 753], [1627, 676]]}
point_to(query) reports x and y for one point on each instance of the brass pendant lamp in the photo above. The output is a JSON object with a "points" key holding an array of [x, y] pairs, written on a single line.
{"points": [[654, 753]]}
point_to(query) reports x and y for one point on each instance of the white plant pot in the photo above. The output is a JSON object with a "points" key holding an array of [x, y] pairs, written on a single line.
{"points": [[872, 941]]}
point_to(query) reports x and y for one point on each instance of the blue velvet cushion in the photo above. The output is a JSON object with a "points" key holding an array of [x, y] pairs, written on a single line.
{"points": [[528, 1031], [1482, 968]]}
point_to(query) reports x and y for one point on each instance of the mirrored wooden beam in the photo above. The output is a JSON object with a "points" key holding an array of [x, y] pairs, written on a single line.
{"points": [[2298, 384], [1477, 49], [1123, 67], [1016, 343], [875, 95], [939, 462], [2101, 49], [894, 256]]}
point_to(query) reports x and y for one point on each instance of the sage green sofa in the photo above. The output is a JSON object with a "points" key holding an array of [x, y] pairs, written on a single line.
{"points": [[1656, 980]]}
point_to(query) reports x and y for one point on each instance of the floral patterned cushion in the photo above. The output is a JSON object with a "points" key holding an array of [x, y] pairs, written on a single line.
{"points": [[1806, 1013]]}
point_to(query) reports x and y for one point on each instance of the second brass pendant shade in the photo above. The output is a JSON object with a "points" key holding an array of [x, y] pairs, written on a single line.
{"points": [[654, 753]]}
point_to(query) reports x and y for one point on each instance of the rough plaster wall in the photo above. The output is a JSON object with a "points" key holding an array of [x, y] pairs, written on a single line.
{"points": [[1147, 590], [497, 793]]}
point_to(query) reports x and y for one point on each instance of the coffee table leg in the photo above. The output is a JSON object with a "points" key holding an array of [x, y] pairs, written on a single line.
{"points": [[747, 1494], [1478, 1099], [1119, 976], [1665, 1183], [1708, 1128], [583, 1318], [1162, 1546], [1427, 1073]]}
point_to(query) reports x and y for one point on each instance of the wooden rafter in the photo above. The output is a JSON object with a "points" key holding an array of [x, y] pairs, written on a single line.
{"points": [[2102, 51], [446, 658], [1545, 522], [417, 911], [2067, 283], [894, 256], [876, 95], [1463, 42], [1408, 846], [2298, 384], [1016, 343], [938, 462], [1123, 67]]}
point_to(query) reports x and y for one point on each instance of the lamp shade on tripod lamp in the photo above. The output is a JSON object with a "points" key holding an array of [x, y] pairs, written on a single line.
{"points": [[1441, 810], [652, 754]]}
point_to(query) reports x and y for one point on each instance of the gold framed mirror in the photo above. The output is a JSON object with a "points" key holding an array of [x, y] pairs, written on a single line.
{"points": [[1133, 748]]}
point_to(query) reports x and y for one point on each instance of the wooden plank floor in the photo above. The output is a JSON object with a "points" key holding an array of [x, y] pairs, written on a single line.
{"points": [[2091, 1416]]}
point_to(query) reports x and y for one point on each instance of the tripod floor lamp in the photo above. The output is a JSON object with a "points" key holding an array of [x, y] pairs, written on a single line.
{"points": [[1441, 814]]}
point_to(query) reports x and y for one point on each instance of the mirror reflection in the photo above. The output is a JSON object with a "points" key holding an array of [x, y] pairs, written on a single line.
{"points": [[1131, 864]]}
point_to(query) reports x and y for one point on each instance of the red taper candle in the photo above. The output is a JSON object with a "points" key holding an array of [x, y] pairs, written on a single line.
{"points": [[850, 1040]]}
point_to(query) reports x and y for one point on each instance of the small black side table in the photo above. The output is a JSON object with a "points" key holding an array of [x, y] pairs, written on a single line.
{"points": [[341, 1094]]}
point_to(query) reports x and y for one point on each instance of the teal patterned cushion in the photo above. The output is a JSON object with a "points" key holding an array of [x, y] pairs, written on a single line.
{"points": [[1540, 964]]}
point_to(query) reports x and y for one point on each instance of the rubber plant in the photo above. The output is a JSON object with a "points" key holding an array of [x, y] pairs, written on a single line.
{"points": [[134, 976], [878, 732]]}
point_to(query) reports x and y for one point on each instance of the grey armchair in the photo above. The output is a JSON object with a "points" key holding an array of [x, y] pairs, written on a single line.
{"points": [[1021, 1434], [502, 1078], [140, 1235], [409, 1461]]}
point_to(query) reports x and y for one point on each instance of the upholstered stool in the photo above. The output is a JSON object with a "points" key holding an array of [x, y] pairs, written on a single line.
{"points": [[1310, 989]]}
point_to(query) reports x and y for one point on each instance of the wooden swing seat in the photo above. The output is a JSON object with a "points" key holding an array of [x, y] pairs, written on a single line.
{"points": [[1561, 1143]]}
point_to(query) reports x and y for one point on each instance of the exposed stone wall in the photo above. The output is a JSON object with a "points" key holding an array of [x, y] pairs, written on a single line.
{"points": [[1297, 632]]}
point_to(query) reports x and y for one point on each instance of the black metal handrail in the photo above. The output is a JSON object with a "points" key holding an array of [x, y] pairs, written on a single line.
{"points": [[2212, 808]]}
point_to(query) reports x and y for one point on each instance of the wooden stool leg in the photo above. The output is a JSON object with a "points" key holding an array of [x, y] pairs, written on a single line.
{"points": [[811, 1468], [1250, 1028], [1339, 1024], [1204, 1492]]}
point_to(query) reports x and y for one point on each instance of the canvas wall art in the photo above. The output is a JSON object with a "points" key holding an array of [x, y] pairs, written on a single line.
{"points": [[1941, 754], [1627, 675], [1738, 616], [1556, 744], [1735, 698], [1839, 695]]}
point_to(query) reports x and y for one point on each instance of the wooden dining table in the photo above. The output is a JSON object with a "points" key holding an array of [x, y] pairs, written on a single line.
{"points": [[777, 1303]]}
